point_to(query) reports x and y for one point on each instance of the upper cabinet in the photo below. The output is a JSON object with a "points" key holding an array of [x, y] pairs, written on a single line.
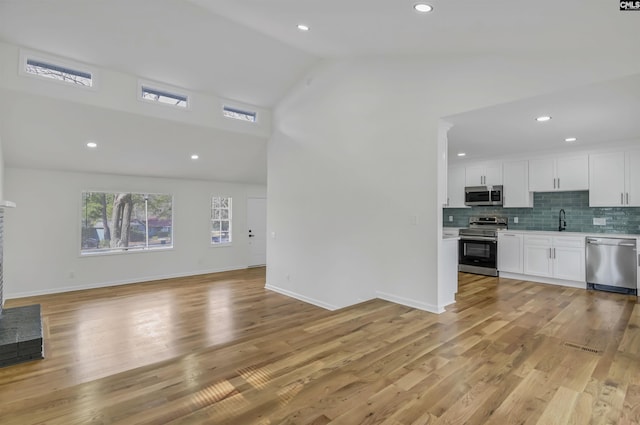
{"points": [[455, 187], [484, 175], [614, 179], [564, 174], [516, 185]]}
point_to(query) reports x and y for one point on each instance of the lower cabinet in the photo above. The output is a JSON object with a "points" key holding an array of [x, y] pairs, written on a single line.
{"points": [[510, 252], [560, 257]]}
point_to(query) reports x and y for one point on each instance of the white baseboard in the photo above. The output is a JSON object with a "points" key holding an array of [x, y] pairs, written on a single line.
{"points": [[300, 297], [57, 290], [547, 280], [410, 303]]}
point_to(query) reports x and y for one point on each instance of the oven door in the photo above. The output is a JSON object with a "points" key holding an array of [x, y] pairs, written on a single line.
{"points": [[478, 255]]}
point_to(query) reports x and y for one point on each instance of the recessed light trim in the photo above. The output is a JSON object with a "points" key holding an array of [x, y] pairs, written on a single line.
{"points": [[195, 156], [423, 7], [92, 145], [543, 118], [462, 154], [303, 27], [570, 139]]}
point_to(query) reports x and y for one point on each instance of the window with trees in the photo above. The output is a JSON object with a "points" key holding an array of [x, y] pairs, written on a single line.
{"points": [[58, 72], [220, 220], [118, 221]]}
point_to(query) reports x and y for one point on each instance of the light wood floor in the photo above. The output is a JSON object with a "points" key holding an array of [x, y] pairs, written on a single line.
{"points": [[220, 349]]}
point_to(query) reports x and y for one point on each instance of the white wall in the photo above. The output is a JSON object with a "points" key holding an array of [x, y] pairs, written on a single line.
{"points": [[42, 235], [354, 167]]}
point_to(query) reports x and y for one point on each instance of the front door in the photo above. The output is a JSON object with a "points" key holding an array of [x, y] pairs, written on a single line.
{"points": [[257, 221]]}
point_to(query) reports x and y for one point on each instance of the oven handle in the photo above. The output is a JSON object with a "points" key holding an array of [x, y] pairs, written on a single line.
{"points": [[478, 238]]}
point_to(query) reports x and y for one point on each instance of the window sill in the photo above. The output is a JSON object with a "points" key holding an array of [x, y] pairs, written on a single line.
{"points": [[125, 252]]}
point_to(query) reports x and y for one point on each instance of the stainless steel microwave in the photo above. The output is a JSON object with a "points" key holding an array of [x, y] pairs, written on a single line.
{"points": [[483, 195]]}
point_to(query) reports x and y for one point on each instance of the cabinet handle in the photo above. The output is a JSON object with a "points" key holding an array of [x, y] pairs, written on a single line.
{"points": [[554, 183], [627, 198], [621, 198], [554, 253], [558, 182], [550, 248]]}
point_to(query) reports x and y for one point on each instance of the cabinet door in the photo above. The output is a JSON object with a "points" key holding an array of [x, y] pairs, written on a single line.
{"points": [[516, 185], [510, 252], [455, 187], [568, 263], [633, 179], [537, 255], [474, 176], [493, 175], [541, 175], [606, 179], [572, 173]]}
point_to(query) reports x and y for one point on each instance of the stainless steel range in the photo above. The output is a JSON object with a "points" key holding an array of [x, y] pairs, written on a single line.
{"points": [[478, 246]]}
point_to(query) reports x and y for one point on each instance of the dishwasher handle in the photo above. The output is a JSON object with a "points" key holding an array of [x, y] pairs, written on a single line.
{"points": [[615, 242]]}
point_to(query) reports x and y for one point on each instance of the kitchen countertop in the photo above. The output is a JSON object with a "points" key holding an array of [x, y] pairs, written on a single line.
{"points": [[563, 233]]}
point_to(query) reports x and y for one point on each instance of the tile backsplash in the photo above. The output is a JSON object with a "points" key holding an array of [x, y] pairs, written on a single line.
{"points": [[544, 214]]}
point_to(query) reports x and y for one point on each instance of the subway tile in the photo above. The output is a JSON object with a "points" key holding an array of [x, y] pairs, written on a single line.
{"points": [[544, 215]]}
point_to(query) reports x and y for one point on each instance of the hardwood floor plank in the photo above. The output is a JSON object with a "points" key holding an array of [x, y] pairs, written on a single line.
{"points": [[222, 349]]}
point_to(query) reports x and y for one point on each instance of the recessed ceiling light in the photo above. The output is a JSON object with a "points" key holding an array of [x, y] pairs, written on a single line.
{"points": [[543, 118], [303, 27], [462, 154], [194, 156], [570, 139], [423, 7], [92, 145]]}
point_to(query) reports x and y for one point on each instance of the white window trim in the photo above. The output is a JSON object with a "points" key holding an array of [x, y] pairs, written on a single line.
{"points": [[243, 109], [164, 87], [25, 55], [221, 244], [127, 251]]}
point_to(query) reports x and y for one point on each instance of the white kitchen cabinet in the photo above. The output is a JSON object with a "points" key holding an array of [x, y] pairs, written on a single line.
{"points": [[516, 185], [484, 175], [510, 256], [569, 260], [537, 255], [559, 174], [560, 257], [455, 187], [614, 179]]}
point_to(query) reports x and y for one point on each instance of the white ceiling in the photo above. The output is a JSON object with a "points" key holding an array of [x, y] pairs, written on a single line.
{"points": [[250, 51], [170, 41], [597, 115], [128, 144]]}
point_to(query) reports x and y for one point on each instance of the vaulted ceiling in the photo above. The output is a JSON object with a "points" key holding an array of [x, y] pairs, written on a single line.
{"points": [[251, 50]]}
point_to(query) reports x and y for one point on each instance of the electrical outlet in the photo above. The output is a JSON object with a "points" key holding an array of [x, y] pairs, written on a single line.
{"points": [[599, 221], [515, 220], [450, 218]]}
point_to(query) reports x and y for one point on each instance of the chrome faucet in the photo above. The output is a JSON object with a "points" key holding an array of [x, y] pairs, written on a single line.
{"points": [[562, 220]]}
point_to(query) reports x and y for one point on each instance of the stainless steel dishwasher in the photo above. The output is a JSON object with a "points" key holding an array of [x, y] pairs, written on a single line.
{"points": [[612, 265]]}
